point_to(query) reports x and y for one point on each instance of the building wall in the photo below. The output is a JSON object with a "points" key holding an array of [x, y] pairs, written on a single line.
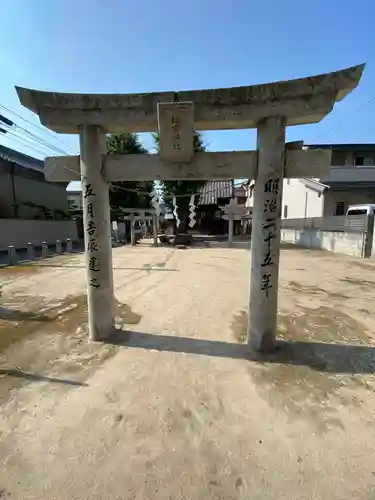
{"points": [[300, 201], [240, 195], [74, 200], [338, 242], [334, 198], [29, 187], [19, 233], [341, 158], [249, 194]]}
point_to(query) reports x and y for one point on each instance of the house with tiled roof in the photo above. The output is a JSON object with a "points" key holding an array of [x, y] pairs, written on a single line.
{"points": [[213, 196]]}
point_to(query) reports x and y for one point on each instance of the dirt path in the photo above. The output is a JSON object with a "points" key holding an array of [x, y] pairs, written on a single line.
{"points": [[173, 407]]}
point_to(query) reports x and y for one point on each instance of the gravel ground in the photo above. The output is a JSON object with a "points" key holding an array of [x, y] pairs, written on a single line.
{"points": [[173, 406]]}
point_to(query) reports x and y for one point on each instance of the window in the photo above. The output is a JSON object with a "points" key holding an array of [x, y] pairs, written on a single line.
{"points": [[285, 211], [340, 208], [357, 211], [222, 201], [217, 214], [364, 160], [338, 158]]}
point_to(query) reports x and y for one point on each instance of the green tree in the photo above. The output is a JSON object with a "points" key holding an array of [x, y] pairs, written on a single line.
{"points": [[119, 197], [171, 188]]}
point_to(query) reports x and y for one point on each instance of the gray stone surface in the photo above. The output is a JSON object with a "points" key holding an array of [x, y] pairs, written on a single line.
{"points": [[176, 128], [210, 165], [304, 100], [97, 231], [265, 236]]}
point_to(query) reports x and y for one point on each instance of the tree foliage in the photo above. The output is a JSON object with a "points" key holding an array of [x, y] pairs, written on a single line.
{"points": [[119, 198]]}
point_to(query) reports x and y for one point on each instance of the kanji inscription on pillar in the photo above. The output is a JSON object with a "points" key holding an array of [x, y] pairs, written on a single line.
{"points": [[92, 243], [271, 213]]}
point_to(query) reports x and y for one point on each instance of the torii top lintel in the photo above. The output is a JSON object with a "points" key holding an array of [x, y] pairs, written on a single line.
{"points": [[304, 100]]}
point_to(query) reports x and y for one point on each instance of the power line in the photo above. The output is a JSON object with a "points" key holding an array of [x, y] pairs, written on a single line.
{"points": [[15, 138], [43, 129], [363, 105], [35, 137], [10, 123], [18, 132], [21, 140], [42, 141]]}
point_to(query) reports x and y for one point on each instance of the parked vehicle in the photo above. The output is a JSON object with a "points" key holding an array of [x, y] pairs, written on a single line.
{"points": [[368, 209]]}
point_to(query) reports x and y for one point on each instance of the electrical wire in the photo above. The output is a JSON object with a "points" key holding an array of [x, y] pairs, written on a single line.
{"points": [[21, 130], [42, 141], [15, 132], [10, 123], [21, 141], [38, 127], [16, 138], [17, 135]]}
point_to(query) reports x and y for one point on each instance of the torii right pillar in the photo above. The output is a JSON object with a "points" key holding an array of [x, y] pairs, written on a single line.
{"points": [[265, 240]]}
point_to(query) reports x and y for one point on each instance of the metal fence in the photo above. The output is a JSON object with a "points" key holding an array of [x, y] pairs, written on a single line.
{"points": [[338, 223]]}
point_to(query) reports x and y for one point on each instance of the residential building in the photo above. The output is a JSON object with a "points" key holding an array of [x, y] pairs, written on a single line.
{"points": [[303, 198], [75, 201], [351, 181], [24, 192]]}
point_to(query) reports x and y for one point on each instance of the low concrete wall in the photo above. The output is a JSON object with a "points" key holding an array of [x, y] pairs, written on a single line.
{"points": [[225, 244], [19, 232], [340, 242]]}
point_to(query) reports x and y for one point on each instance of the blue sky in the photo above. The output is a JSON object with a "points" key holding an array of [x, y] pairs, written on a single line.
{"points": [[144, 46]]}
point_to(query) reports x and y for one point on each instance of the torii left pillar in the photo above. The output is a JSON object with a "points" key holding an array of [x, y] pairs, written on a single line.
{"points": [[97, 232]]}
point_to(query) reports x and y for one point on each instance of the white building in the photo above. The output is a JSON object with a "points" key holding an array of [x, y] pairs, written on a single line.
{"points": [[75, 200], [351, 181]]}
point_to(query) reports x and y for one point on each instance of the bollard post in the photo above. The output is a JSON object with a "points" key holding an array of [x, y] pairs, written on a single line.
{"points": [[69, 246], [30, 251], [132, 231], [12, 255], [230, 228], [44, 249], [58, 247], [155, 229]]}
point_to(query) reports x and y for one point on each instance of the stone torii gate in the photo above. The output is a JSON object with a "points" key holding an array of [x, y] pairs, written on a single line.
{"points": [[143, 215], [269, 108]]}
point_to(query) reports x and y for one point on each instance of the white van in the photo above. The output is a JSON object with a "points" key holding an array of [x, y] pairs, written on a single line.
{"points": [[368, 209]]}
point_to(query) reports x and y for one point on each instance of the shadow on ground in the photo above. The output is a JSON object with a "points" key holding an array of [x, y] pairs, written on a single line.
{"points": [[304, 379], [325, 357], [11, 372], [342, 358], [17, 315]]}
